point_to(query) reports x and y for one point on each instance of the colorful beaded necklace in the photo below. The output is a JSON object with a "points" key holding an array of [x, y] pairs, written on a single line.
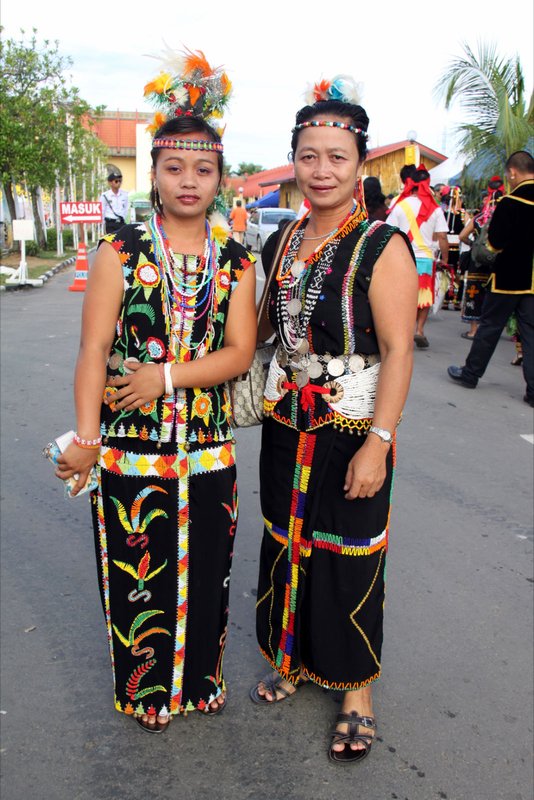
{"points": [[182, 304], [300, 287]]}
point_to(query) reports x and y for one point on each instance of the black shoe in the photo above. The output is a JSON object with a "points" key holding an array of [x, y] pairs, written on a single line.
{"points": [[457, 374], [529, 400]]}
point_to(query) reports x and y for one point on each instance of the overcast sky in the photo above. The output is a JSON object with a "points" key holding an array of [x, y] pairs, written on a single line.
{"points": [[272, 50]]}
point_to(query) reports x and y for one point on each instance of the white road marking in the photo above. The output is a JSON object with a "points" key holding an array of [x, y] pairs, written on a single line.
{"points": [[528, 437]]}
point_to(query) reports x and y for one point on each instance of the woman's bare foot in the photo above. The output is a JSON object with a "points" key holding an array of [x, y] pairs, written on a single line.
{"points": [[216, 705], [273, 688], [153, 723], [361, 701]]}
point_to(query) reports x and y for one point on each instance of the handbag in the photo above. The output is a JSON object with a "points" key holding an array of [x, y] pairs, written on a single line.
{"points": [[482, 257], [58, 446], [246, 390]]}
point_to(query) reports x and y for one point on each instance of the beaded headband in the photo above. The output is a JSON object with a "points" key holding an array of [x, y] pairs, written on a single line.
{"points": [[187, 144], [325, 123], [188, 86]]}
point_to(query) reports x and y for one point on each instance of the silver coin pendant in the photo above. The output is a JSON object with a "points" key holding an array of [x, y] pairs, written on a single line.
{"points": [[294, 307], [356, 363], [335, 367], [315, 369]]}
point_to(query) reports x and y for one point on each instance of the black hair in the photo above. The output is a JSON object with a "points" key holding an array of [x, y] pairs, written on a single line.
{"points": [[522, 161], [350, 111], [407, 171], [372, 191], [179, 125], [421, 175], [238, 203]]}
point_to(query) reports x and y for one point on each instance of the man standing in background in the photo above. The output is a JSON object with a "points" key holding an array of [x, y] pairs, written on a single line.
{"points": [[114, 203], [511, 236]]}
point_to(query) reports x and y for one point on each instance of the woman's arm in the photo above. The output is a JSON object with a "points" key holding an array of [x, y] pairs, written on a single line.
{"points": [[144, 384], [465, 234], [393, 299], [101, 308]]}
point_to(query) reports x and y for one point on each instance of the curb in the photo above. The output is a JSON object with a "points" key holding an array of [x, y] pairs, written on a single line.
{"points": [[48, 274]]}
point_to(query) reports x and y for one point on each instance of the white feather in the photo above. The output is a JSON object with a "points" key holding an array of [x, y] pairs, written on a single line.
{"points": [[352, 90]]}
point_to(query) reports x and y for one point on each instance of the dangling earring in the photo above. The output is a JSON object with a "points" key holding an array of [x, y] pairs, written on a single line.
{"points": [[157, 198], [359, 194]]}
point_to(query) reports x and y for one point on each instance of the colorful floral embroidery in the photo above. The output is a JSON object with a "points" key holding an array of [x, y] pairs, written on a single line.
{"points": [[146, 274]]}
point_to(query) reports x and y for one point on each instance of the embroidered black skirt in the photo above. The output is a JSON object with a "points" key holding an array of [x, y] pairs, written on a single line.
{"points": [[321, 579]]}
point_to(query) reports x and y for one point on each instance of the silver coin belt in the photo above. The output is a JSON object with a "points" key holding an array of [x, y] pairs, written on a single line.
{"points": [[311, 366]]}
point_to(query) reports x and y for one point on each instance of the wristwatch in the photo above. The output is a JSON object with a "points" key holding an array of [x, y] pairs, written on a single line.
{"points": [[382, 434]]}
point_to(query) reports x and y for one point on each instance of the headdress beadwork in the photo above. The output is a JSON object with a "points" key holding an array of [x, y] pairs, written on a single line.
{"points": [[186, 144], [326, 123]]}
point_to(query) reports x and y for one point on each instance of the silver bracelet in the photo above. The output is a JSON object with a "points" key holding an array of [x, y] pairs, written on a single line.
{"points": [[169, 388]]}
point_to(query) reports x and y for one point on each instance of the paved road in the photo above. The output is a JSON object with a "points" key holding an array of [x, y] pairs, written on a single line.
{"points": [[455, 702]]}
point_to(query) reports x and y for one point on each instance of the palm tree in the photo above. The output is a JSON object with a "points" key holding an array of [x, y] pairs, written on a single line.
{"points": [[491, 90]]}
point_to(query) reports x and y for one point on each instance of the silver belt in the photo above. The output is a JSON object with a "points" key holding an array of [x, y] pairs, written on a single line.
{"points": [[310, 366]]}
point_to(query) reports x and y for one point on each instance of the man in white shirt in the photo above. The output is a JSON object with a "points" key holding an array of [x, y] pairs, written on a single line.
{"points": [[114, 203], [419, 216]]}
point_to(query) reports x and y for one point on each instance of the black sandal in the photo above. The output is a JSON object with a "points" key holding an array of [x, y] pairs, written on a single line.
{"points": [[348, 754], [272, 685]]}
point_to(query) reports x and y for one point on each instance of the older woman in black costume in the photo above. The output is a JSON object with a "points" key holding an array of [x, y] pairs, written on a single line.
{"points": [[342, 302]]}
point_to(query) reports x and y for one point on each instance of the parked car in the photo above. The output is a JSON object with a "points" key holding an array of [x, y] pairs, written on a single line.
{"points": [[262, 222]]}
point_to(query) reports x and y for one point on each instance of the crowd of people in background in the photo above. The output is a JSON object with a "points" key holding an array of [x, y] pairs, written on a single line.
{"points": [[469, 264]]}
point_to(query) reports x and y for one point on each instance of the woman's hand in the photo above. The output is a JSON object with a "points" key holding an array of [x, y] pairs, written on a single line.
{"points": [[366, 472], [143, 385], [76, 461]]}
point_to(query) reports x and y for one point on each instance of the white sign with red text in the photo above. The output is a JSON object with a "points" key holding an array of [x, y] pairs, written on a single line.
{"points": [[81, 211]]}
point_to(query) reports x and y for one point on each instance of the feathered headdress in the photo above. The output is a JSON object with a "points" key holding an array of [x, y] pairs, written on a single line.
{"points": [[187, 86], [341, 87]]}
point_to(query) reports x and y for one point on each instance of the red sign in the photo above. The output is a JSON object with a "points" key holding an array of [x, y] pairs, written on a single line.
{"points": [[82, 211]]}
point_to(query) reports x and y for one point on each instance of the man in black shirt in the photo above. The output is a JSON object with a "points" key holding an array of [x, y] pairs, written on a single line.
{"points": [[511, 236]]}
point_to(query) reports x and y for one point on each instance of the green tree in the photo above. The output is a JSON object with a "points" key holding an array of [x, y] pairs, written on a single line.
{"points": [[491, 91], [248, 169], [45, 127]]}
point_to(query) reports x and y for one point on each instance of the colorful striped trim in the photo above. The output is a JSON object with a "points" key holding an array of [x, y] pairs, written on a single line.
{"points": [[104, 560], [342, 545], [127, 464], [211, 459], [347, 292], [182, 576], [305, 449], [280, 535], [294, 677], [347, 546]]}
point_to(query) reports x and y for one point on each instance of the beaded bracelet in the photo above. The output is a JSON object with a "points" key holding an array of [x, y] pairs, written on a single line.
{"points": [[169, 388], [88, 444]]}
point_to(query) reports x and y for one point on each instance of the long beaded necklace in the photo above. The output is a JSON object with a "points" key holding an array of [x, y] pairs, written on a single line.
{"points": [[296, 299], [182, 304]]}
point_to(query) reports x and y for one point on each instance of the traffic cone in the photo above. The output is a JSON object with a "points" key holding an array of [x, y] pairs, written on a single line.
{"points": [[82, 266]]}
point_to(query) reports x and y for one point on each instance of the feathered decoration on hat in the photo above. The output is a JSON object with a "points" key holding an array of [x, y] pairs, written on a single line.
{"points": [[187, 86], [342, 87]]}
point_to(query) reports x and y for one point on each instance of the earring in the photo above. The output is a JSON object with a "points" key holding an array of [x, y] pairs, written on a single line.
{"points": [[157, 199], [359, 194]]}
